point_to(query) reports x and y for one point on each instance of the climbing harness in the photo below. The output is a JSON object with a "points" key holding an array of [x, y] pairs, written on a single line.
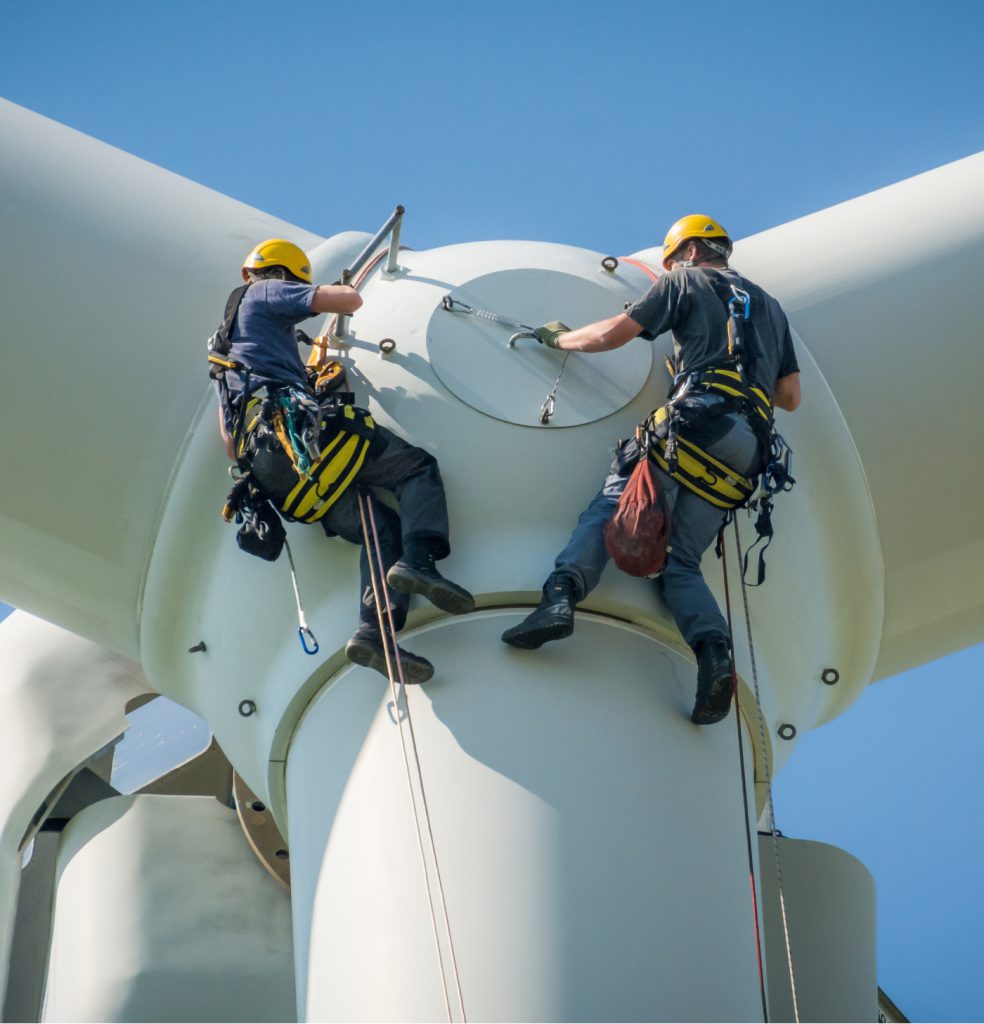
{"points": [[453, 305], [698, 470], [332, 436], [293, 450], [408, 741], [722, 554], [309, 643]]}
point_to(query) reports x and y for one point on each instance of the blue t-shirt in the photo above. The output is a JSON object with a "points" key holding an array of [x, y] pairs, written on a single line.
{"points": [[262, 335]]}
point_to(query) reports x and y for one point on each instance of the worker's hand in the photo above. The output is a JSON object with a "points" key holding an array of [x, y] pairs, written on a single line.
{"points": [[549, 333]]}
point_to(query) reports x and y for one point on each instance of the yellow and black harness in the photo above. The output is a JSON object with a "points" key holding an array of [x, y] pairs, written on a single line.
{"points": [[297, 447], [688, 463], [696, 469], [324, 456]]}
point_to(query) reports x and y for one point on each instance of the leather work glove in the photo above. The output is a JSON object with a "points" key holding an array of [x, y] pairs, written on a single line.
{"points": [[549, 333]]}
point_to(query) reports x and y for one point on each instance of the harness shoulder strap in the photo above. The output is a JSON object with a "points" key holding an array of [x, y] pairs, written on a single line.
{"points": [[220, 343]]}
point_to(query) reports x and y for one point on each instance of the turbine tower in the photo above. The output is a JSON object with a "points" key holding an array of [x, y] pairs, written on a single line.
{"points": [[532, 835]]}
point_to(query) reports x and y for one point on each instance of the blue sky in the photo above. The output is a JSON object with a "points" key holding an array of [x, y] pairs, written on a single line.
{"points": [[595, 125]]}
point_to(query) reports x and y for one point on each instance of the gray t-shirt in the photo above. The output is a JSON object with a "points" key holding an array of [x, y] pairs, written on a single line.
{"points": [[691, 302]]}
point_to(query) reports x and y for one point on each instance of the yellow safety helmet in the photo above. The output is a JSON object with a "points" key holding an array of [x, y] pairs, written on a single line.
{"points": [[694, 225], [278, 252]]}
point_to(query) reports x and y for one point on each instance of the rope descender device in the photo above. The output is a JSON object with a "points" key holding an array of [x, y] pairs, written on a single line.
{"points": [[453, 305], [309, 642]]}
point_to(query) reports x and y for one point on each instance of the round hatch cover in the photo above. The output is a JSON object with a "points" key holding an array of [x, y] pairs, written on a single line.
{"points": [[472, 357]]}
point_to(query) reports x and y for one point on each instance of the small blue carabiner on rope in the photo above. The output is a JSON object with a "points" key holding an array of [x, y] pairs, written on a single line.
{"points": [[304, 634]]}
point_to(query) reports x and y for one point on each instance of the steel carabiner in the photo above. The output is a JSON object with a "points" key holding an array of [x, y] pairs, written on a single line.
{"points": [[547, 409]]}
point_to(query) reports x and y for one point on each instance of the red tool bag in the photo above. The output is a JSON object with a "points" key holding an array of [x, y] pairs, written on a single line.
{"points": [[637, 537]]}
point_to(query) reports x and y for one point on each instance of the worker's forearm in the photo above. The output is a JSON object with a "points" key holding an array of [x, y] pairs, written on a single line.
{"points": [[336, 298], [597, 337]]}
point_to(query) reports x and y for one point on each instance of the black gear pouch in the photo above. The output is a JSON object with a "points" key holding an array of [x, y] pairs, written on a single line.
{"points": [[626, 456], [262, 533]]}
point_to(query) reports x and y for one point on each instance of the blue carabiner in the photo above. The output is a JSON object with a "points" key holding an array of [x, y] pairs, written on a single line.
{"points": [[303, 633], [740, 295]]}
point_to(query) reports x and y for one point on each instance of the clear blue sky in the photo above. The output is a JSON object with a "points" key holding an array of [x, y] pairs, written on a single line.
{"points": [[594, 124]]}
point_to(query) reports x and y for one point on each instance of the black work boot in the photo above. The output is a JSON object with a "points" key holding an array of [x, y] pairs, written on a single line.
{"points": [[553, 619], [415, 573], [366, 648], [715, 684]]}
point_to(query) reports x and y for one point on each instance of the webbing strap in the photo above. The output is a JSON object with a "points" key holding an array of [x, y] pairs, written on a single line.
{"points": [[730, 382], [706, 476], [221, 342], [333, 471]]}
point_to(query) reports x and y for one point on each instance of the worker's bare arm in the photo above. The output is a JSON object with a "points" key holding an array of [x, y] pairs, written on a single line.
{"points": [[335, 298], [602, 336], [787, 395], [226, 439]]}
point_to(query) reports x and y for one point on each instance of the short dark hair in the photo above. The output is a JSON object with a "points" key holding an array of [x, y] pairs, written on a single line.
{"points": [[704, 250], [277, 273]]}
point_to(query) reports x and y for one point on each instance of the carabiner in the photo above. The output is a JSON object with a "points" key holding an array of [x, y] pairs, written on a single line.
{"points": [[740, 295], [304, 634], [520, 334], [547, 409]]}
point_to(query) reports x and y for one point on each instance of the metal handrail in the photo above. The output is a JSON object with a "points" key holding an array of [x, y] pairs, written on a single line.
{"points": [[392, 228]]}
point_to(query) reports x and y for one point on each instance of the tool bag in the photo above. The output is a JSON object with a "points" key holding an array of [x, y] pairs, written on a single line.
{"points": [[637, 536], [261, 532]]}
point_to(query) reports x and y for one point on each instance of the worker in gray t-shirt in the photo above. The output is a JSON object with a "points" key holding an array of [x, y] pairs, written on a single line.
{"points": [[691, 300]]}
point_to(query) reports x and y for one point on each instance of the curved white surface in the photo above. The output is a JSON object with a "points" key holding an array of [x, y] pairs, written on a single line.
{"points": [[163, 913], [120, 540], [473, 360], [514, 493], [585, 831], [61, 700], [830, 916], [122, 275]]}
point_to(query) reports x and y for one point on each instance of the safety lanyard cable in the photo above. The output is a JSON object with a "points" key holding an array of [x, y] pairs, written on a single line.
{"points": [[453, 305], [309, 642], [548, 407], [768, 780], [387, 628], [744, 782]]}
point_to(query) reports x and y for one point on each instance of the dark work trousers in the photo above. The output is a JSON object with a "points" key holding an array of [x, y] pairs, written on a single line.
{"points": [[694, 523], [412, 476]]}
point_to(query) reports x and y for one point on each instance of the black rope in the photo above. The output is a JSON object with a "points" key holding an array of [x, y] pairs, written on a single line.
{"points": [[721, 550]]}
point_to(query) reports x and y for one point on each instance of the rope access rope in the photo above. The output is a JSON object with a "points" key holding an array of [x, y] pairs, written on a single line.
{"points": [[388, 633], [744, 783], [768, 780]]}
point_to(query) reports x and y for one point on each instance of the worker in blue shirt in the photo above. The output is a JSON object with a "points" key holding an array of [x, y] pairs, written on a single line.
{"points": [[261, 334]]}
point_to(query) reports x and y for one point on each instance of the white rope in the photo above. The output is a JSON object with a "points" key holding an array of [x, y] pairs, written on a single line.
{"points": [[381, 597], [768, 780]]}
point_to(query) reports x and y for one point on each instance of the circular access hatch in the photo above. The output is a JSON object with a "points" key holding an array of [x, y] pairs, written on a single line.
{"points": [[472, 357]]}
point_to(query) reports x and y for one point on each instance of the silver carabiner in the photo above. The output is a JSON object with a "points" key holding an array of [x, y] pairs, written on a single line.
{"points": [[547, 409]]}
